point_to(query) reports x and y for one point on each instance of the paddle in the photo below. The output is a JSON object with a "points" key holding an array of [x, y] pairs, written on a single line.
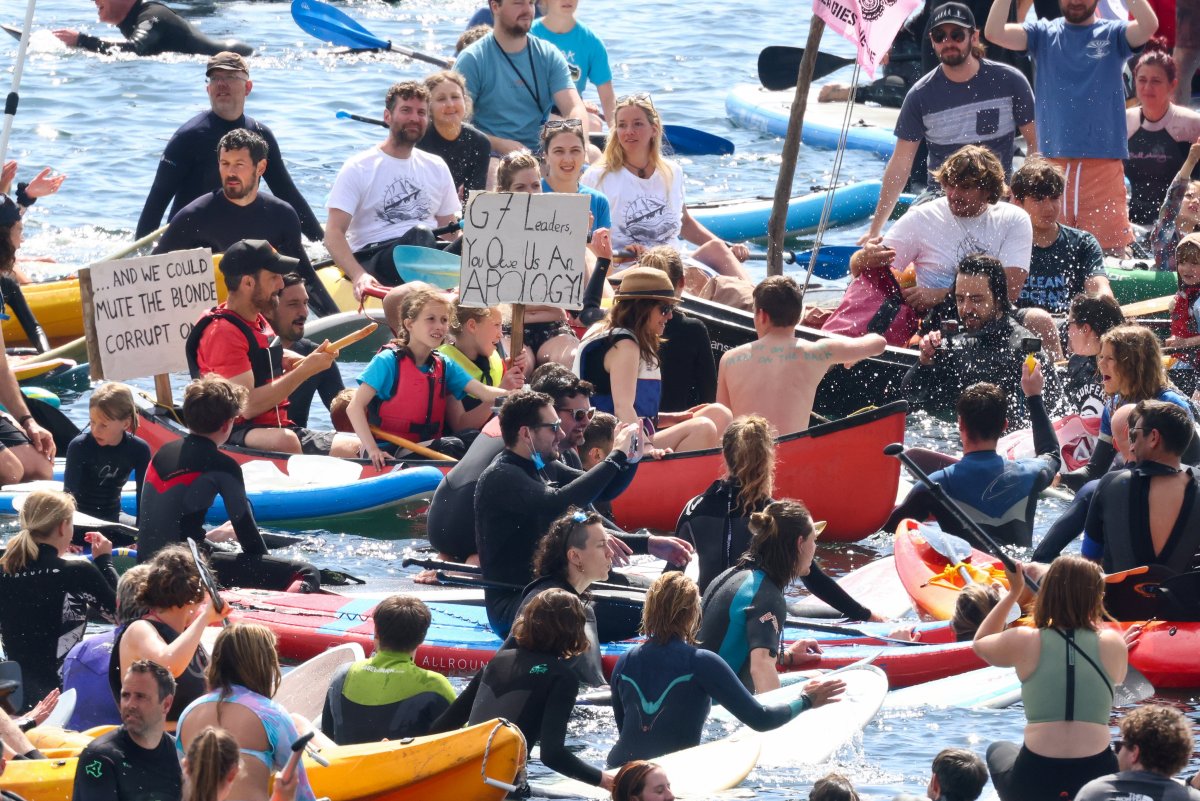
{"points": [[834, 628], [779, 65], [207, 580], [323, 21], [10, 102], [428, 453], [1141, 308], [955, 550], [437, 267], [356, 336]]}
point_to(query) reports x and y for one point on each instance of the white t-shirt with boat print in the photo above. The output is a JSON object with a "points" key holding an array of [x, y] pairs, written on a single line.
{"points": [[386, 196], [645, 211]]}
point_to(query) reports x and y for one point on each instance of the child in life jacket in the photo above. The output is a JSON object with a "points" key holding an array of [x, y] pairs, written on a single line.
{"points": [[1185, 315], [410, 390]]}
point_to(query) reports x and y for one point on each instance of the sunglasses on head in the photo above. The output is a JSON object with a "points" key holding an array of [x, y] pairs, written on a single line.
{"points": [[571, 124], [956, 35], [637, 97], [579, 414]]}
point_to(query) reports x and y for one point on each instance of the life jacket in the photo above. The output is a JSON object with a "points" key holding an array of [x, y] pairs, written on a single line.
{"points": [[416, 409], [265, 363], [589, 365], [495, 369]]}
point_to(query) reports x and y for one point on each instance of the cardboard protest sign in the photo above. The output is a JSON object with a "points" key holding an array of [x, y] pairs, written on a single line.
{"points": [[138, 312], [524, 248]]}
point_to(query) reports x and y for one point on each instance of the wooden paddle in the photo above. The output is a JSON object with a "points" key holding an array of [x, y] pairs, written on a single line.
{"points": [[1143, 308], [428, 453], [356, 336]]}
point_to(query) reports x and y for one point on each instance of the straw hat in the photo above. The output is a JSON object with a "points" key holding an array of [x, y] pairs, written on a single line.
{"points": [[646, 283]]}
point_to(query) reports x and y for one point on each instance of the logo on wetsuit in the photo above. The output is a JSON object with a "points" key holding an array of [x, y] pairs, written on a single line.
{"points": [[539, 669], [93, 769], [769, 617]]}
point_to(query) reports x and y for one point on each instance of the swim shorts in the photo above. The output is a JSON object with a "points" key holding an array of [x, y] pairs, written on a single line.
{"points": [[1094, 200]]}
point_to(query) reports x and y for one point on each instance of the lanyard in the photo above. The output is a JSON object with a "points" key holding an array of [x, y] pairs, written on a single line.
{"points": [[536, 91]]}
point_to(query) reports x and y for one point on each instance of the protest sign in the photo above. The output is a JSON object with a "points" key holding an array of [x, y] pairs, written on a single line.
{"points": [[869, 25], [137, 313], [524, 248]]}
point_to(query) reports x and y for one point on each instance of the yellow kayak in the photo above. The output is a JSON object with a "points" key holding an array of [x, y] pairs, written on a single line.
{"points": [[341, 289], [42, 368], [446, 766]]}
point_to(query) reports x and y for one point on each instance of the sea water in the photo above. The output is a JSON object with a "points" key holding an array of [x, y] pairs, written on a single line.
{"points": [[104, 120]]}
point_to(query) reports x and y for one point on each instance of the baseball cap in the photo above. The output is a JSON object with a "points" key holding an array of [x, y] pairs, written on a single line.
{"points": [[9, 213], [228, 62], [953, 14], [248, 256]]}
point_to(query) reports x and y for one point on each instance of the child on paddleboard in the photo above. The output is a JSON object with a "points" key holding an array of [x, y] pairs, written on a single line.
{"points": [[100, 460]]}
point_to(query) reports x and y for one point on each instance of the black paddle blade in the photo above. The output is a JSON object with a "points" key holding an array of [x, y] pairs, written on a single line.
{"points": [[778, 66], [58, 424]]}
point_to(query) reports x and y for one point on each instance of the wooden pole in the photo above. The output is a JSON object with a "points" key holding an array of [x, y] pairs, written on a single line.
{"points": [[162, 390], [777, 227], [516, 340], [96, 368]]}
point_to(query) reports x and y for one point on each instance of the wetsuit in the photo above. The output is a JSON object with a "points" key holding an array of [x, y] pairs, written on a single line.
{"points": [[96, 474], [1082, 387], [16, 304], [1143, 785], [742, 610], [1119, 521], [537, 693], [44, 613], [85, 670], [515, 504], [993, 354], [662, 695], [714, 524], [188, 169], [189, 685], [327, 383], [467, 156], [384, 697], [689, 372], [152, 28], [450, 524], [184, 479], [999, 494], [115, 768], [1068, 526], [587, 666]]}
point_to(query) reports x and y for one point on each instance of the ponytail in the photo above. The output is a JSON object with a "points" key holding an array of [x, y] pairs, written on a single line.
{"points": [[777, 532], [210, 758], [748, 446], [41, 516]]}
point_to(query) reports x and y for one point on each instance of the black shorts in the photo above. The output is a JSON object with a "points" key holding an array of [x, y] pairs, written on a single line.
{"points": [[1018, 774], [312, 443], [538, 334], [11, 435]]}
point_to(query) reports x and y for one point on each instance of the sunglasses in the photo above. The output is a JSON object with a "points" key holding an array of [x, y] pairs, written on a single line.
{"points": [[1117, 746], [568, 125], [557, 424], [665, 308], [579, 414], [637, 97], [956, 35]]}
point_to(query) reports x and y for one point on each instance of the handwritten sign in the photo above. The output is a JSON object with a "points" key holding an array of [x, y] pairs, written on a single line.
{"points": [[524, 248], [139, 312]]}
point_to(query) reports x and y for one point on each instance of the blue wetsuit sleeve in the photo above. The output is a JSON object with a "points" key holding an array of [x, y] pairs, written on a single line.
{"points": [[821, 585], [560, 702], [720, 682], [1091, 549]]}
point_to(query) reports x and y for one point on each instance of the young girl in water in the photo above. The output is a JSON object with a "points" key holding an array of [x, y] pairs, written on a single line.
{"points": [[100, 460]]}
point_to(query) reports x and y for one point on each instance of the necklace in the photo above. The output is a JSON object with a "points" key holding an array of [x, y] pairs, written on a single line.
{"points": [[642, 172]]}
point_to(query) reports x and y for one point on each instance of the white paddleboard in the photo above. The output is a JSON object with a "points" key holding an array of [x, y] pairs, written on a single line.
{"points": [[62, 710], [875, 585], [303, 689], [985, 688]]}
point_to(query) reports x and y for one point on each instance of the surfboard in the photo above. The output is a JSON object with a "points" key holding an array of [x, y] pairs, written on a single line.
{"points": [[875, 585], [62, 710], [303, 689], [985, 688]]}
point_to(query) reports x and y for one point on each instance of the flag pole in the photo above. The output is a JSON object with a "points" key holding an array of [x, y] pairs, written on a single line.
{"points": [[10, 102]]}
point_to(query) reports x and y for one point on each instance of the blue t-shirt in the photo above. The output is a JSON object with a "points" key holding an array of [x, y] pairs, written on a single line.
{"points": [[1168, 395], [513, 92], [582, 49], [380, 375], [601, 216], [1079, 89]]}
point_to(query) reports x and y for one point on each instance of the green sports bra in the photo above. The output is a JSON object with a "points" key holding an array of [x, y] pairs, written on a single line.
{"points": [[1070, 682]]}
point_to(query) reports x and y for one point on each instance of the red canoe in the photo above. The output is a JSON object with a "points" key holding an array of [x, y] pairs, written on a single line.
{"points": [[838, 469]]}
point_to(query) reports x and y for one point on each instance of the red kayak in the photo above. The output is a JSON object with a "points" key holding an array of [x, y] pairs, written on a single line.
{"points": [[838, 469], [928, 577], [906, 665]]}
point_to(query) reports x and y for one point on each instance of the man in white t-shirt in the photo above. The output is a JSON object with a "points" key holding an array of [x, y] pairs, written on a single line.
{"points": [[934, 237], [391, 194]]}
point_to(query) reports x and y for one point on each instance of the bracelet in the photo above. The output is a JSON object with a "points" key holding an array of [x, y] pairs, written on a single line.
{"points": [[782, 661], [26, 724]]}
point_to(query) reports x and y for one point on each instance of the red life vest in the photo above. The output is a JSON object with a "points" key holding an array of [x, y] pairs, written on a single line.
{"points": [[416, 409]]}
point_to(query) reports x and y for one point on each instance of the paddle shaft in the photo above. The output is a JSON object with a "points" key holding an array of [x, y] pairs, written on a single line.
{"points": [[10, 102], [415, 447], [357, 336], [207, 580]]}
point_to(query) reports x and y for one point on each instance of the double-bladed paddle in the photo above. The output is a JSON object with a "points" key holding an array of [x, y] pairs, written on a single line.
{"points": [[778, 65], [329, 24]]}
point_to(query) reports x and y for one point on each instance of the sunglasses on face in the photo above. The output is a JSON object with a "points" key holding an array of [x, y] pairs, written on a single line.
{"points": [[568, 125], [665, 308], [579, 414], [956, 35], [552, 426]]}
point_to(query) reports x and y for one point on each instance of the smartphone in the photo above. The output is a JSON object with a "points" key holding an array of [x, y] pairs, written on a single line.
{"points": [[637, 443]]}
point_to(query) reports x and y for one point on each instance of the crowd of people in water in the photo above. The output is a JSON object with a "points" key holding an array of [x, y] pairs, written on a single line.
{"points": [[995, 278]]}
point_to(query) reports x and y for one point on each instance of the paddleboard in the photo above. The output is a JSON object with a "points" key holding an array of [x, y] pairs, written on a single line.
{"points": [[875, 585], [757, 108], [62, 710], [304, 687], [985, 688]]}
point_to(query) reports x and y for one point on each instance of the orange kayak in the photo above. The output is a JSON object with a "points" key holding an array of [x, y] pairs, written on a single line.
{"points": [[930, 579]]}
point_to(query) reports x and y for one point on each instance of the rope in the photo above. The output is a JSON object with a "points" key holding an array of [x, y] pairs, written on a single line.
{"points": [[487, 751], [835, 173]]}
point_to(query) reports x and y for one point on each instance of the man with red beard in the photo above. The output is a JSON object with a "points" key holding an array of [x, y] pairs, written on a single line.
{"points": [[1081, 105], [391, 194], [237, 210]]}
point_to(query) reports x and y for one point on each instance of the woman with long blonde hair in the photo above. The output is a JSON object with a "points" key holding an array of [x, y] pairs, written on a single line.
{"points": [[645, 191], [717, 522], [682, 680], [45, 599], [1068, 666]]}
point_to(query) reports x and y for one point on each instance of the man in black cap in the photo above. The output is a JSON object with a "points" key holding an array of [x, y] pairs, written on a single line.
{"points": [[966, 100], [149, 29], [233, 340]]}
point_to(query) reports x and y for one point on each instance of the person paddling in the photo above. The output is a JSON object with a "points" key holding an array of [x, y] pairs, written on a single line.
{"points": [[150, 29]]}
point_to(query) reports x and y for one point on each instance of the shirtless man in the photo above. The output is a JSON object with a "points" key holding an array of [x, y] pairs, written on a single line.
{"points": [[777, 376]]}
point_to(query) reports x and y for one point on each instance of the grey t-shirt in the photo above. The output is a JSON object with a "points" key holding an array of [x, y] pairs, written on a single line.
{"points": [[987, 110], [1136, 785]]}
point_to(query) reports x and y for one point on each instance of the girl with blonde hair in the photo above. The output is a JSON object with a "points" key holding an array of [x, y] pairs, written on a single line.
{"points": [[476, 332], [44, 599], [100, 460], [212, 765]]}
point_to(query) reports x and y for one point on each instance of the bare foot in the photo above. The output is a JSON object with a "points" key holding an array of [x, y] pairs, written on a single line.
{"points": [[426, 577], [833, 93]]}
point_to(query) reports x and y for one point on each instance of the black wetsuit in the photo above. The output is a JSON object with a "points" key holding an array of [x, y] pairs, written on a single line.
{"points": [[1082, 387], [188, 169], [689, 372], [741, 594], [450, 524], [212, 221], [587, 667], [1119, 518], [96, 474], [152, 28], [189, 685], [184, 479], [115, 768], [515, 505], [721, 534], [534, 691], [44, 613], [16, 305], [467, 156], [328, 383], [662, 695]]}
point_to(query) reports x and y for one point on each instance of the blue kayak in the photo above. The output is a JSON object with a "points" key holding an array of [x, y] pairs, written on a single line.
{"points": [[738, 220]]}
